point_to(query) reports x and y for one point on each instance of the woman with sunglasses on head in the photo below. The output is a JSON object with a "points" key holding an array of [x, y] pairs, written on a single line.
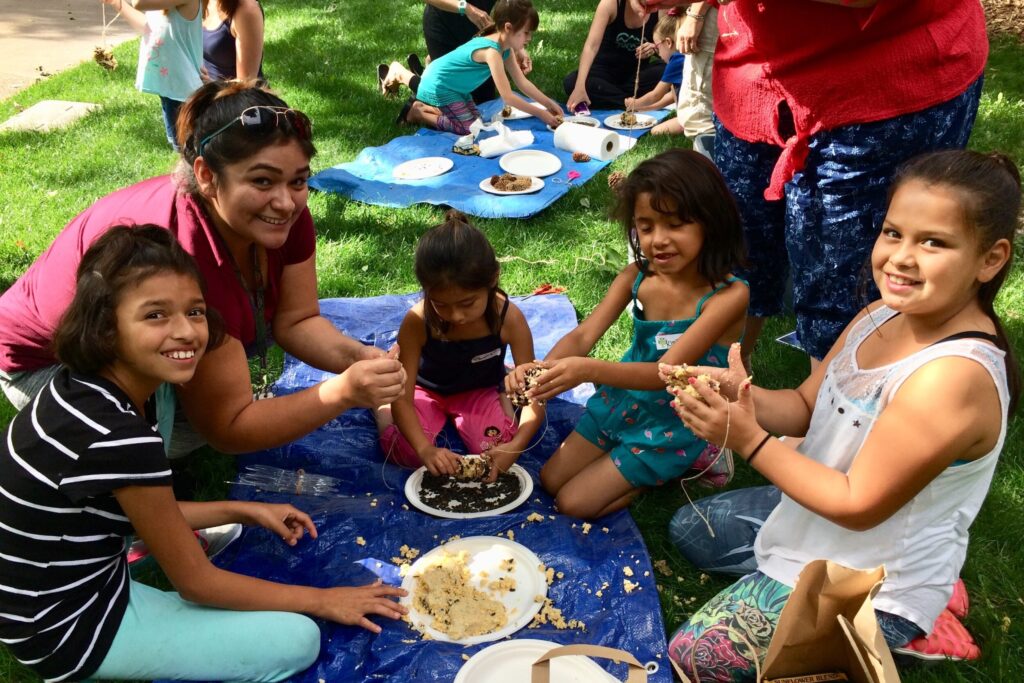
{"points": [[238, 204]]}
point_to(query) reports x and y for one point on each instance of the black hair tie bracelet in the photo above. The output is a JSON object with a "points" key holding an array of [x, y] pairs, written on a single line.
{"points": [[753, 453]]}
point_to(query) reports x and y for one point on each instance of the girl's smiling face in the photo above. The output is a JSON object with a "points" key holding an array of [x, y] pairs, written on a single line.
{"points": [[669, 244], [926, 260], [260, 198], [161, 334]]}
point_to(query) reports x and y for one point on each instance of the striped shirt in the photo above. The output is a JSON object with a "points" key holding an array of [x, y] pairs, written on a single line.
{"points": [[63, 566]]}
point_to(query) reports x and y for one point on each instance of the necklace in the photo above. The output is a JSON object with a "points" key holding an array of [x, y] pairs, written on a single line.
{"points": [[256, 296]]}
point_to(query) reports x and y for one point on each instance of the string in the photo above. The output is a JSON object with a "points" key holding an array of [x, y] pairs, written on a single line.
{"points": [[107, 24], [639, 62], [721, 452]]}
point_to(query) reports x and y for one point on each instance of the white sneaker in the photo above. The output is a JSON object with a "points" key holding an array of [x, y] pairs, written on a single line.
{"points": [[214, 539]]}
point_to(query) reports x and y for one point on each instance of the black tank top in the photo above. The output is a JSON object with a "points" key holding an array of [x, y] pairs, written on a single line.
{"points": [[453, 366], [617, 52]]}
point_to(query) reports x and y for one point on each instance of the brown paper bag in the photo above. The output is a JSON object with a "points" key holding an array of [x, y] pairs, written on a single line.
{"points": [[829, 625]]}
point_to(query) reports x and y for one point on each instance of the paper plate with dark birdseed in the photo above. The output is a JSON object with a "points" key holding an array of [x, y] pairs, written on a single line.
{"points": [[444, 496]]}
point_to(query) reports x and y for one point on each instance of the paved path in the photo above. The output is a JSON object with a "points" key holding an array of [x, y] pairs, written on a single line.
{"points": [[46, 36]]}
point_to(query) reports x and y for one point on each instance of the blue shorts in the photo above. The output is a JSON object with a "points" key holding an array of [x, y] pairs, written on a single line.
{"points": [[825, 227]]}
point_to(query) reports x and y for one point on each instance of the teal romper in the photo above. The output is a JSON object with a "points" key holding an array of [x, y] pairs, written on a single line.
{"points": [[639, 430]]}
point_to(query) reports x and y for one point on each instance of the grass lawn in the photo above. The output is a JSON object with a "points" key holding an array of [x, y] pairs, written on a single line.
{"points": [[321, 57]]}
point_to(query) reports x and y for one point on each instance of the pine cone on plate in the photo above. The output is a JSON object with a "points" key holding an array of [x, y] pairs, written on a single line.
{"points": [[580, 157], [615, 179]]}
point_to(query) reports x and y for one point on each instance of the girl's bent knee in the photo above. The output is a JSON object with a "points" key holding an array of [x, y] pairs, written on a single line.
{"points": [[295, 648]]}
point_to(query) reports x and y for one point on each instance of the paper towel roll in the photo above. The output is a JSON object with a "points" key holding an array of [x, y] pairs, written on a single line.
{"points": [[599, 143]]}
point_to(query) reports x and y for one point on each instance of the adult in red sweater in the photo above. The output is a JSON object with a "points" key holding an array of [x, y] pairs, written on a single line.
{"points": [[816, 104]]}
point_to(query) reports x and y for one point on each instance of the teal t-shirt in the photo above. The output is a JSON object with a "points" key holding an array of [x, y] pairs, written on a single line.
{"points": [[170, 55], [453, 77]]}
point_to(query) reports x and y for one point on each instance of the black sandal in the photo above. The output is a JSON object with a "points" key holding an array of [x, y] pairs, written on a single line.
{"points": [[415, 65], [406, 108]]}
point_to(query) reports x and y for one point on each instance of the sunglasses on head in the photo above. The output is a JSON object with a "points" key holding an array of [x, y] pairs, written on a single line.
{"points": [[263, 119]]}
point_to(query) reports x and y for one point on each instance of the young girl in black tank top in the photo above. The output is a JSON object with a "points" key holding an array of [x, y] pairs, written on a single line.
{"points": [[454, 342]]}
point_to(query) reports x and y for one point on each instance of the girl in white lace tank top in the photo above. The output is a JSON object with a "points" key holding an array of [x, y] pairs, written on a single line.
{"points": [[905, 418]]}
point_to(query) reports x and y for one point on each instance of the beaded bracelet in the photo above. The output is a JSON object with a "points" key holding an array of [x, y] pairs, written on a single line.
{"points": [[695, 16], [750, 458]]}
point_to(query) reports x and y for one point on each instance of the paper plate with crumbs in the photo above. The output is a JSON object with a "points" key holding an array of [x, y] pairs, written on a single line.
{"points": [[474, 590], [452, 498], [425, 167]]}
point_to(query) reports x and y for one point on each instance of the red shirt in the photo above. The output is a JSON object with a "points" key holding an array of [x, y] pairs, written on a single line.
{"points": [[836, 66], [32, 307]]}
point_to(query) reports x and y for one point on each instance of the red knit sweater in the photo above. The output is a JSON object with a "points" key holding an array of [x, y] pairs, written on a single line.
{"points": [[836, 66]]}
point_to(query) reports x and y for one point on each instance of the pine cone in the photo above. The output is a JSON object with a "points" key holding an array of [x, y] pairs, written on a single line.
{"points": [[580, 157], [615, 180]]}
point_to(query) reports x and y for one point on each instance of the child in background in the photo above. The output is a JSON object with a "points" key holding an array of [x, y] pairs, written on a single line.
{"points": [[687, 308], [443, 95], [170, 54], [666, 92], [903, 423], [83, 469], [696, 37], [454, 342]]}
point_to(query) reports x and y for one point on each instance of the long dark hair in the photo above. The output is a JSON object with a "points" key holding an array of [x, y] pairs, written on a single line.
{"points": [[687, 184], [218, 103], [454, 253], [124, 256], [520, 13], [989, 192]]}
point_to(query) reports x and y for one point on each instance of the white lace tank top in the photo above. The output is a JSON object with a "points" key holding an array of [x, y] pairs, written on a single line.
{"points": [[923, 545]]}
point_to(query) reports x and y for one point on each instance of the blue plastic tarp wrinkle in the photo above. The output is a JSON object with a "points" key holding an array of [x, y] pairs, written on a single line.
{"points": [[369, 178], [372, 507]]}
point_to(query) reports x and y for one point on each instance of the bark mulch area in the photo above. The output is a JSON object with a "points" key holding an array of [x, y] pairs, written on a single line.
{"points": [[1005, 17]]}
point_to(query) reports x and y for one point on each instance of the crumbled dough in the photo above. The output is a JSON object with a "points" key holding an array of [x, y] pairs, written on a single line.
{"points": [[360, 540], [534, 517], [605, 529], [662, 567], [443, 593], [506, 584], [549, 614], [409, 553], [629, 586], [465, 657], [508, 564], [586, 528], [511, 535], [628, 571], [704, 578]]}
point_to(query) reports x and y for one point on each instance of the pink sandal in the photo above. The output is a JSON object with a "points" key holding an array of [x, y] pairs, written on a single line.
{"points": [[949, 639]]}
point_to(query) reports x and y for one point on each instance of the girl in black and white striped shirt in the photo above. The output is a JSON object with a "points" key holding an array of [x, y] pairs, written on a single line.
{"points": [[82, 469]]}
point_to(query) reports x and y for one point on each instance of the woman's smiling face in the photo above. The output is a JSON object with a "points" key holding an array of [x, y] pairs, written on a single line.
{"points": [[259, 199]]}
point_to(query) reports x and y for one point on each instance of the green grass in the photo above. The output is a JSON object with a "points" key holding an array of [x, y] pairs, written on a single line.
{"points": [[320, 55]]}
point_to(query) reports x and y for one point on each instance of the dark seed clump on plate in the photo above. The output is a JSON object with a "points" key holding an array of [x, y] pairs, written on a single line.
{"points": [[451, 495]]}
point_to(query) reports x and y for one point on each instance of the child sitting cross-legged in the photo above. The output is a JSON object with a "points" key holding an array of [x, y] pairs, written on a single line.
{"points": [[685, 230], [83, 468], [902, 426]]}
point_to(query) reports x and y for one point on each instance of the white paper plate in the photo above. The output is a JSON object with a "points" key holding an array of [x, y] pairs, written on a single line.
{"points": [[418, 169], [486, 186], [532, 162], [581, 119], [642, 121], [486, 555], [511, 662], [415, 480], [516, 115]]}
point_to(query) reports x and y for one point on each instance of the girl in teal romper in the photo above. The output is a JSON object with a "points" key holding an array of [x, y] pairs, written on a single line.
{"points": [[684, 228]]}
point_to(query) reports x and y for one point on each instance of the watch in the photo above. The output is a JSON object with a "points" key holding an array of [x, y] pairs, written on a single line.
{"points": [[462, 7]]}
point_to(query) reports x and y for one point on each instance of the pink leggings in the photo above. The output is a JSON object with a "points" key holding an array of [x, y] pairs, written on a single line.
{"points": [[478, 415]]}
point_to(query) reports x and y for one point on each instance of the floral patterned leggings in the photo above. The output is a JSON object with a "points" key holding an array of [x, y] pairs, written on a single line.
{"points": [[752, 607]]}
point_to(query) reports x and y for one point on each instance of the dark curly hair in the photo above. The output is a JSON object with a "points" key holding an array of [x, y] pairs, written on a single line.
{"points": [[686, 184], [124, 256]]}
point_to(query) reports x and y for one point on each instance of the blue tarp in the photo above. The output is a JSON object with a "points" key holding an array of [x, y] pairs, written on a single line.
{"points": [[368, 178], [373, 506]]}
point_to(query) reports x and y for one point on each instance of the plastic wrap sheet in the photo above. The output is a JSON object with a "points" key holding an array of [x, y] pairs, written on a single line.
{"points": [[368, 177], [373, 508]]}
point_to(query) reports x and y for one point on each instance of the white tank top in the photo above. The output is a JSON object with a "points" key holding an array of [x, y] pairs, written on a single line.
{"points": [[924, 543]]}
